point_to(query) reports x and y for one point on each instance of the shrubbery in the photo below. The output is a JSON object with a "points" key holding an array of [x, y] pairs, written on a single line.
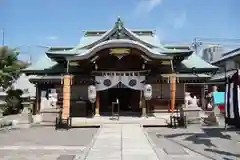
{"points": [[13, 102]]}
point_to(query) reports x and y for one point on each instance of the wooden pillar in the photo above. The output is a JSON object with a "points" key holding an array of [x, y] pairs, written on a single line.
{"points": [[143, 105], [37, 108], [144, 109], [66, 96], [97, 106], [172, 92], [203, 104]]}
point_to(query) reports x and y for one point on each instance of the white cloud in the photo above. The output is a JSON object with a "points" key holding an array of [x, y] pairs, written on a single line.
{"points": [[176, 19], [52, 38], [180, 20], [146, 6]]}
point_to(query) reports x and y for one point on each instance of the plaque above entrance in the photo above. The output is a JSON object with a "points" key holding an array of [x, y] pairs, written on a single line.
{"points": [[119, 52]]}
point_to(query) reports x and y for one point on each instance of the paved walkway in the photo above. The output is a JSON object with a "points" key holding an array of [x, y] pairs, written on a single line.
{"points": [[117, 142]]}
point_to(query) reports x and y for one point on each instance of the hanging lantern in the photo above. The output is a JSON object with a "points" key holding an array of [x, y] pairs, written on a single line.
{"points": [[92, 93], [147, 91]]}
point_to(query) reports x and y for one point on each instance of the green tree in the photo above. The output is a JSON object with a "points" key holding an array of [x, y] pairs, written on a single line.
{"points": [[10, 66], [14, 101]]}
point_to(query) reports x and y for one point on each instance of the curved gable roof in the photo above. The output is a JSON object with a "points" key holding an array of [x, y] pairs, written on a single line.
{"points": [[115, 43], [91, 41], [146, 38]]}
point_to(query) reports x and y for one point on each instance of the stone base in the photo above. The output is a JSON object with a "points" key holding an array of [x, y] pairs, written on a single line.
{"points": [[144, 112], [37, 118], [212, 119], [97, 115], [15, 123]]}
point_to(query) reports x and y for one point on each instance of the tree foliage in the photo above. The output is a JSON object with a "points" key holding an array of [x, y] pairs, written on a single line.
{"points": [[14, 101], [10, 66]]}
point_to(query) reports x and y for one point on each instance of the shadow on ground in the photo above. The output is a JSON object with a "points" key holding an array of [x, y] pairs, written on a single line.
{"points": [[222, 153], [204, 137], [213, 142]]}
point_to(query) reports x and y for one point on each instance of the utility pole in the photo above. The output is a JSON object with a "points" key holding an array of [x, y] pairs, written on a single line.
{"points": [[3, 37], [196, 44]]}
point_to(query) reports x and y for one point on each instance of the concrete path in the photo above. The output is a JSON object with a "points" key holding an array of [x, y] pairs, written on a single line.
{"points": [[121, 142]]}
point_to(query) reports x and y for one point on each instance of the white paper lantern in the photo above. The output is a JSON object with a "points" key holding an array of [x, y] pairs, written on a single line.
{"points": [[92, 93], [147, 91]]}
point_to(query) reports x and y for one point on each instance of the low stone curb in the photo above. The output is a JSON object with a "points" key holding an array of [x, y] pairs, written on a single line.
{"points": [[5, 125], [10, 125]]}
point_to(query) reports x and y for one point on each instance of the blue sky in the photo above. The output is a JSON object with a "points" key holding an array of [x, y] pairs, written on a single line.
{"points": [[61, 22]]}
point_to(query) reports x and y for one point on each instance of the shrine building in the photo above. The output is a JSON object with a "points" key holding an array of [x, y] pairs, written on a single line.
{"points": [[119, 62]]}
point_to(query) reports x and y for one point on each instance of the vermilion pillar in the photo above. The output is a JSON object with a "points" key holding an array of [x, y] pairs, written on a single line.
{"points": [[97, 105], [66, 96], [172, 92]]}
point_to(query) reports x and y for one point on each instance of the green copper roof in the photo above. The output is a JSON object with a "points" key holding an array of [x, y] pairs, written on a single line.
{"points": [[52, 49], [119, 33], [118, 43], [119, 36], [43, 63], [194, 61]]}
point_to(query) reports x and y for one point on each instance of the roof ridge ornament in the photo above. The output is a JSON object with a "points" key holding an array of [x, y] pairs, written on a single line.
{"points": [[119, 26]]}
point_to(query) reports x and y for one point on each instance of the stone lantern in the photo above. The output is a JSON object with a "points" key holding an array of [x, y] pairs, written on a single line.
{"points": [[27, 108], [2, 105]]}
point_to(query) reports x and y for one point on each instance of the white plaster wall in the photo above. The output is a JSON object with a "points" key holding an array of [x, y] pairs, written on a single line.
{"points": [[23, 83]]}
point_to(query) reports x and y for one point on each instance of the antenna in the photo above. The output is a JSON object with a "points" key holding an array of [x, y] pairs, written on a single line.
{"points": [[196, 44]]}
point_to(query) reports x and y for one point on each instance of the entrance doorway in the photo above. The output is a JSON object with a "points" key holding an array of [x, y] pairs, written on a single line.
{"points": [[128, 101]]}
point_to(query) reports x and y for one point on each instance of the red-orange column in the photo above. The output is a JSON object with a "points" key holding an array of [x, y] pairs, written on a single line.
{"points": [[172, 92], [66, 96], [97, 105]]}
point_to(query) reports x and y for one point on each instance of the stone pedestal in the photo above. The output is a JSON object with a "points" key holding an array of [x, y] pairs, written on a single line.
{"points": [[211, 119], [192, 113], [37, 118], [27, 113]]}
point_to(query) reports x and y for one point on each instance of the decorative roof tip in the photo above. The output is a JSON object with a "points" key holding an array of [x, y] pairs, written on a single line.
{"points": [[119, 22]]}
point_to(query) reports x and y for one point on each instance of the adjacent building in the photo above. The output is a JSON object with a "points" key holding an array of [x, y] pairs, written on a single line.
{"points": [[228, 63]]}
